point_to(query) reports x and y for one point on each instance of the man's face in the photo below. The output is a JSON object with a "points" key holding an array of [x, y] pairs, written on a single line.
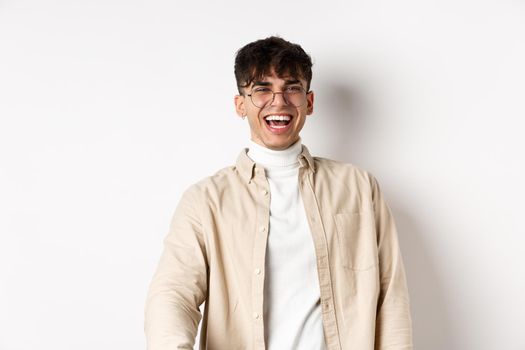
{"points": [[276, 135]]}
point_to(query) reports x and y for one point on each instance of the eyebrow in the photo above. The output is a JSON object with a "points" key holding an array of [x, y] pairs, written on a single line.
{"points": [[267, 83]]}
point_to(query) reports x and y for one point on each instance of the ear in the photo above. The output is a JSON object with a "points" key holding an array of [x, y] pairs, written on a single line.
{"points": [[239, 105], [310, 103]]}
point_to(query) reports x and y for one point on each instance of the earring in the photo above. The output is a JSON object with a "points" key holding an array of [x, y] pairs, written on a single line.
{"points": [[243, 117]]}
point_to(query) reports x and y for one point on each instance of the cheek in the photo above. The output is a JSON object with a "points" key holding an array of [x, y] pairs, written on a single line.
{"points": [[301, 116]]}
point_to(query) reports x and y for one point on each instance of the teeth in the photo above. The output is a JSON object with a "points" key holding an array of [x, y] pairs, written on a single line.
{"points": [[278, 117]]}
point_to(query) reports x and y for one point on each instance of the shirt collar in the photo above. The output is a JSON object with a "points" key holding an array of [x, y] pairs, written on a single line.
{"points": [[245, 165]]}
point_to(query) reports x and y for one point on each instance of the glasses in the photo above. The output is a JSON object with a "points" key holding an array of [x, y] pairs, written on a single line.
{"points": [[293, 95]]}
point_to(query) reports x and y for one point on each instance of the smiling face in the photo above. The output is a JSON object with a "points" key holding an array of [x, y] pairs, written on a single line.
{"points": [[277, 124]]}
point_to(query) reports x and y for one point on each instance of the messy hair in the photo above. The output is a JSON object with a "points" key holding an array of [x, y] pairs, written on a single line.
{"points": [[257, 59]]}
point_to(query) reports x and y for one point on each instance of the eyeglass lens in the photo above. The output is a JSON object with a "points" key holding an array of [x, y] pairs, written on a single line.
{"points": [[293, 96]]}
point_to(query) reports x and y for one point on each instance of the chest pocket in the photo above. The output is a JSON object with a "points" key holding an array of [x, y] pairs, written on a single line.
{"points": [[357, 240]]}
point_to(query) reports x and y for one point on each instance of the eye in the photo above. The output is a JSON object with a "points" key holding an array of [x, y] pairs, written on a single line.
{"points": [[262, 90], [294, 89]]}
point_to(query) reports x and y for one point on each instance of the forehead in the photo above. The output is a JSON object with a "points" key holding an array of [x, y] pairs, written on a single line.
{"points": [[273, 79]]}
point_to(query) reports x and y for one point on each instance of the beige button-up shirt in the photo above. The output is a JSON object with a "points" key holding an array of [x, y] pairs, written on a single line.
{"points": [[215, 250]]}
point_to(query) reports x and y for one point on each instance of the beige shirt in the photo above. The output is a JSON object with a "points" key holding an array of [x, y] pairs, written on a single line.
{"points": [[215, 252]]}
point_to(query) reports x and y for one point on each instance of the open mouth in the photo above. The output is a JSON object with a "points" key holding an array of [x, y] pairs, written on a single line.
{"points": [[278, 121]]}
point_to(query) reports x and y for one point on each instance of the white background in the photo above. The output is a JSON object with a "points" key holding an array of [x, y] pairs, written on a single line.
{"points": [[110, 109]]}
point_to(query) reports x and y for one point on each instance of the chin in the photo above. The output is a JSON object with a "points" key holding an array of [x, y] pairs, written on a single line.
{"points": [[278, 145]]}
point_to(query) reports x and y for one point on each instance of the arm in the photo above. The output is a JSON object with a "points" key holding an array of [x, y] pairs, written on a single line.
{"points": [[393, 321], [179, 285]]}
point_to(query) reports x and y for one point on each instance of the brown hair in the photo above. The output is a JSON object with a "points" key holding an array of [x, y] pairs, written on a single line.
{"points": [[256, 59]]}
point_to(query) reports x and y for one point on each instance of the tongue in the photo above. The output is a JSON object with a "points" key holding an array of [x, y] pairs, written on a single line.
{"points": [[279, 122]]}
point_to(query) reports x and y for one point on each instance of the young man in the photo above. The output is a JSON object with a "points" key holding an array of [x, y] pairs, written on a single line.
{"points": [[288, 251]]}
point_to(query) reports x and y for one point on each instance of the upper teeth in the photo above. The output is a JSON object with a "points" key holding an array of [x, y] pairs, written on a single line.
{"points": [[278, 117]]}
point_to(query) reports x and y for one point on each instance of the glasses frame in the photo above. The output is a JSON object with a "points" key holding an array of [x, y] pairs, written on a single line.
{"points": [[284, 98]]}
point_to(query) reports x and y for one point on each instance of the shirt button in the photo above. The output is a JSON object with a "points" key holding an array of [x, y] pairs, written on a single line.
{"points": [[264, 192], [257, 271], [256, 316], [262, 229]]}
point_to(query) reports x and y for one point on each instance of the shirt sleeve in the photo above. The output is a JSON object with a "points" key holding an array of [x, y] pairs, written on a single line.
{"points": [[179, 285], [393, 320]]}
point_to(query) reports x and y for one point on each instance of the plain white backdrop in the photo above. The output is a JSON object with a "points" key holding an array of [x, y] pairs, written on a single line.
{"points": [[110, 109]]}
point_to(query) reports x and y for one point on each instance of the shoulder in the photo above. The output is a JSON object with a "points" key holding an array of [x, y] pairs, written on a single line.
{"points": [[345, 179], [212, 184], [334, 169]]}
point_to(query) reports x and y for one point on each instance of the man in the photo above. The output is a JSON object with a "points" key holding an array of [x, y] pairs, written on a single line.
{"points": [[288, 251]]}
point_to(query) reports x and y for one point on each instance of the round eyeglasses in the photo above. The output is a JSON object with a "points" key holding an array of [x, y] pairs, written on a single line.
{"points": [[293, 95]]}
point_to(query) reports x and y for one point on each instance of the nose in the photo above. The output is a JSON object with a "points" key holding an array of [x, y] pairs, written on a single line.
{"points": [[279, 100]]}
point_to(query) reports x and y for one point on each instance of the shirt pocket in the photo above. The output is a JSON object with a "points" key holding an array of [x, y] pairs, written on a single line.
{"points": [[357, 240]]}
